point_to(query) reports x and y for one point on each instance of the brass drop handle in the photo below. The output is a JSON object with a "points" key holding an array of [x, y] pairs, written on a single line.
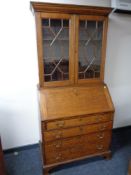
{"points": [[60, 124], [79, 137], [58, 145], [58, 157], [102, 128], [81, 129], [81, 119], [98, 118], [100, 147], [101, 136], [59, 135]]}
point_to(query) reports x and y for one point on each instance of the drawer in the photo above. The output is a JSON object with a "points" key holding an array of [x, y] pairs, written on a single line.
{"points": [[77, 121], [76, 152], [78, 140], [81, 130]]}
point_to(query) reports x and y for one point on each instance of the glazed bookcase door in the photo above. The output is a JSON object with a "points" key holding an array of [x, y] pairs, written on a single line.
{"points": [[91, 48], [57, 58]]}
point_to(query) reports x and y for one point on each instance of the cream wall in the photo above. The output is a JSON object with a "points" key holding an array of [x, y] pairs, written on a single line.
{"points": [[18, 75], [104, 3], [118, 66], [19, 114]]}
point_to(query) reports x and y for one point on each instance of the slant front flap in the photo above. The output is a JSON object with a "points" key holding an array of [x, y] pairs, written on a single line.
{"points": [[72, 101]]}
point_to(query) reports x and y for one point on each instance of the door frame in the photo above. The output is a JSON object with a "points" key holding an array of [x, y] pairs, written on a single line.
{"points": [[39, 16], [103, 48]]}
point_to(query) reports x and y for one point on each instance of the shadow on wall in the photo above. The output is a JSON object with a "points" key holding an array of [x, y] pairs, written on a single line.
{"points": [[117, 68], [8, 131]]}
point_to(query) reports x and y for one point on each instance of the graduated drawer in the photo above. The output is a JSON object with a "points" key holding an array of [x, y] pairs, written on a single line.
{"points": [[77, 152], [80, 120], [77, 140], [81, 130]]}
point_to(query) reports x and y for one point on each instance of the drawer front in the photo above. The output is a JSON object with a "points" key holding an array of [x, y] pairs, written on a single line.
{"points": [[78, 140], [82, 130], [82, 120], [76, 152]]}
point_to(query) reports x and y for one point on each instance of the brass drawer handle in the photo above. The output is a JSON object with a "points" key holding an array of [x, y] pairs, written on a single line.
{"points": [[99, 119], [58, 135], [101, 136], [79, 138], [81, 129], [76, 149], [60, 124], [58, 145], [100, 147], [59, 157], [80, 119], [102, 128]]}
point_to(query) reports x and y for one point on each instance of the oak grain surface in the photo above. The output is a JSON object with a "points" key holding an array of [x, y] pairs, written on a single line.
{"points": [[73, 101]]}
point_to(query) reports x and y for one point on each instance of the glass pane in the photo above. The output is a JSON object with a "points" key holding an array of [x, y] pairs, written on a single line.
{"points": [[55, 49], [90, 43]]}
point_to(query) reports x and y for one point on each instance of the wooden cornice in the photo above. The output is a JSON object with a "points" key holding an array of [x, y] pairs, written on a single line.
{"points": [[70, 9]]}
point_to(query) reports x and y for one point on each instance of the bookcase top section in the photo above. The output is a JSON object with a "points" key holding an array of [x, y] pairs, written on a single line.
{"points": [[69, 8], [57, 103]]}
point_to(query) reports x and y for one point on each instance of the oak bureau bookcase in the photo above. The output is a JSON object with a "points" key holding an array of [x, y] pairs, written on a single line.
{"points": [[75, 104]]}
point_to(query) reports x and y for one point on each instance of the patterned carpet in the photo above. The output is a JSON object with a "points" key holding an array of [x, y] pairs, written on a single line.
{"points": [[28, 162]]}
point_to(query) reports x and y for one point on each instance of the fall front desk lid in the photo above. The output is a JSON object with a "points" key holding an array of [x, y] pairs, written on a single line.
{"points": [[56, 103]]}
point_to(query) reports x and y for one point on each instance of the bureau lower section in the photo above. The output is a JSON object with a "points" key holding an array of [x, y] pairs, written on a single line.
{"points": [[82, 136], [76, 147]]}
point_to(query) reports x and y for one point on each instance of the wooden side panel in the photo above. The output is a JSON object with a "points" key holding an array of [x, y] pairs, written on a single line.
{"points": [[39, 47], [103, 54], [76, 46]]}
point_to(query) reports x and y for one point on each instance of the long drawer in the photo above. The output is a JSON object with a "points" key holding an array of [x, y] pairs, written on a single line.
{"points": [[80, 120], [81, 130], [77, 140], [76, 152]]}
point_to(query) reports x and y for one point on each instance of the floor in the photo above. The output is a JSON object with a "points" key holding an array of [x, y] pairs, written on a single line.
{"points": [[28, 162]]}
